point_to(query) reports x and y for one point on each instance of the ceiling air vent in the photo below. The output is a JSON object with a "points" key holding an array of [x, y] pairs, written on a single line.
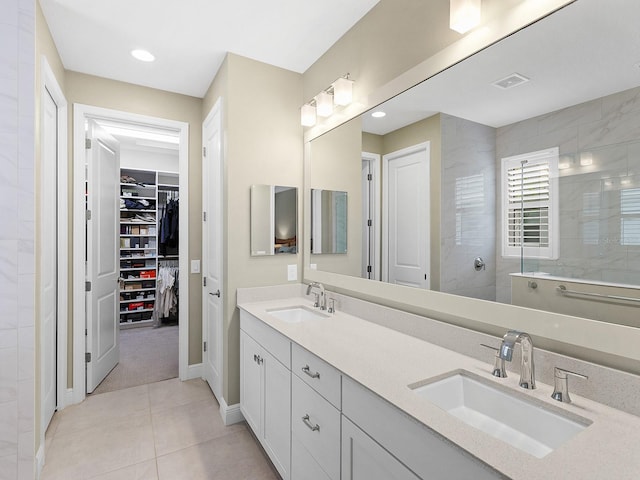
{"points": [[511, 81]]}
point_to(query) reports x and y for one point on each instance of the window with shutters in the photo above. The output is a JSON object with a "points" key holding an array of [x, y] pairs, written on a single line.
{"points": [[530, 205], [630, 216]]}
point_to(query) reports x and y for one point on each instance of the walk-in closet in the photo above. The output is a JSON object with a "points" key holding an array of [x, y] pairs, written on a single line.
{"points": [[149, 290]]}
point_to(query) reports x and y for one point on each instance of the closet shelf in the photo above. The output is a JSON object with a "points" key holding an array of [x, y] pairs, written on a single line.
{"points": [[131, 269], [138, 290], [141, 310], [134, 197], [137, 248], [150, 299], [138, 258], [133, 185], [138, 235], [140, 210]]}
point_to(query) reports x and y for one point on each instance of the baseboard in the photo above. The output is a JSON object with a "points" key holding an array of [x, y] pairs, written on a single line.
{"points": [[39, 460], [194, 371], [230, 414], [68, 398]]}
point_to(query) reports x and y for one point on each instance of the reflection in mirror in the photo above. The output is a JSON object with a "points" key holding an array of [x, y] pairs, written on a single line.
{"points": [[534, 166], [274, 217], [328, 221]]}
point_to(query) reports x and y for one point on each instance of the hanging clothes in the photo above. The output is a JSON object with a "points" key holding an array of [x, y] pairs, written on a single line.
{"points": [[166, 303], [168, 238]]}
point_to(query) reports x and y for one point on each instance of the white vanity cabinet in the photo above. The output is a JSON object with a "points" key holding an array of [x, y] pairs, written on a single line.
{"points": [[398, 443], [265, 389]]}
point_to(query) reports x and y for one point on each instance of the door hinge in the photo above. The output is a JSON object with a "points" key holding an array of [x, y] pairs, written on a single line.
{"points": [[368, 268], [204, 281], [87, 286], [87, 143], [204, 151], [86, 332], [88, 214], [204, 216], [425, 276], [87, 357], [204, 346], [369, 223], [369, 177]]}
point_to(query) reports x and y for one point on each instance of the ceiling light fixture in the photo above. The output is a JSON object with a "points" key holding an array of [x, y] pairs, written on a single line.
{"points": [[378, 114], [142, 55], [339, 93], [464, 15]]}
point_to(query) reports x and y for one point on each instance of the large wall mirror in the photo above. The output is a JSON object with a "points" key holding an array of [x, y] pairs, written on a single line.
{"points": [[508, 177], [274, 220]]}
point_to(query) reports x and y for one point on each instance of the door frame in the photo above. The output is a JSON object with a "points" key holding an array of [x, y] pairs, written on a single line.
{"points": [[374, 167], [426, 146], [214, 118], [50, 84], [81, 113]]}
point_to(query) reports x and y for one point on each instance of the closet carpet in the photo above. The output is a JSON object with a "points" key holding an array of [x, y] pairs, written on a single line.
{"points": [[147, 355]]}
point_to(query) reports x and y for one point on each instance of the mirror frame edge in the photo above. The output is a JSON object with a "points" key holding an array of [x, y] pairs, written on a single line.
{"points": [[559, 333]]}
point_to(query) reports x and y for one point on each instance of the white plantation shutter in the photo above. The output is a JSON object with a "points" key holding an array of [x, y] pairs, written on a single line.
{"points": [[630, 216], [529, 204]]}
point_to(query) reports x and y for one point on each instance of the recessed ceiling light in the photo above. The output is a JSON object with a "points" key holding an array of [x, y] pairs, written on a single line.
{"points": [[142, 55], [378, 114]]}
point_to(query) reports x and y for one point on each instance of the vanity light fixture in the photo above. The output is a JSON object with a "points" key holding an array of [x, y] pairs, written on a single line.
{"points": [[324, 104], [464, 15], [143, 55], [378, 114], [339, 93], [308, 115]]}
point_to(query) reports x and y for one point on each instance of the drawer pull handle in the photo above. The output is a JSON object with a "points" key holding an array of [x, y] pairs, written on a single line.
{"points": [[313, 428], [306, 369]]}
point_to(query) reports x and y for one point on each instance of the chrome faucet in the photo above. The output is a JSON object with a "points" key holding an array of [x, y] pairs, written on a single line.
{"points": [[321, 299], [527, 371]]}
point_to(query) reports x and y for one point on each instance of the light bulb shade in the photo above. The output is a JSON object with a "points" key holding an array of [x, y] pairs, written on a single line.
{"points": [[464, 15], [324, 104], [308, 115], [343, 91]]}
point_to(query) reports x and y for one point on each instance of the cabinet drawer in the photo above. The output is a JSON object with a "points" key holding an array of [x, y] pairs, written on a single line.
{"points": [[303, 465], [276, 344], [315, 423], [316, 373]]}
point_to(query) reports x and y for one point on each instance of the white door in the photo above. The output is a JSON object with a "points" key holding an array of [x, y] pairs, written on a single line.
{"points": [[406, 206], [212, 299], [103, 167], [49, 256]]}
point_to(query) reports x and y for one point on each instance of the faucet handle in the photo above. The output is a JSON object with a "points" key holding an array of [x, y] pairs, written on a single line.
{"points": [[316, 302], [332, 305], [498, 365], [561, 384]]}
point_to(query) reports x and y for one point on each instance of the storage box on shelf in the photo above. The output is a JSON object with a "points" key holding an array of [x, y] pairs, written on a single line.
{"points": [[138, 246]]}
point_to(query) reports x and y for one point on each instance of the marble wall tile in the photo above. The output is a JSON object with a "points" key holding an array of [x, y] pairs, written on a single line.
{"points": [[9, 375], [8, 428], [9, 467], [571, 117]]}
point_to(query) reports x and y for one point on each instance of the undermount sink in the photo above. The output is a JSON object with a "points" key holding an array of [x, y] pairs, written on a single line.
{"points": [[534, 428], [296, 314]]}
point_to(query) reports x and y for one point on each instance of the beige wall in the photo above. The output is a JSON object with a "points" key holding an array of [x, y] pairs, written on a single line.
{"points": [[336, 164], [263, 145]]}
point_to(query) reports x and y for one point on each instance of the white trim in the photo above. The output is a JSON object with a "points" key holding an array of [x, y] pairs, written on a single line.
{"points": [[80, 114], [68, 398], [40, 460], [194, 371], [230, 413], [374, 164], [50, 83]]}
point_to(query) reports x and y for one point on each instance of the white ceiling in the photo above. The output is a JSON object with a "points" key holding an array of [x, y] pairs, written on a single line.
{"points": [[191, 38], [587, 50]]}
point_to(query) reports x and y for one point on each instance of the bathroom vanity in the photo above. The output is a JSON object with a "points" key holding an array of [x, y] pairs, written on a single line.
{"points": [[334, 396]]}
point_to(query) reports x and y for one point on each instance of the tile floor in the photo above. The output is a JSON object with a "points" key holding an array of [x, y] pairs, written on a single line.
{"points": [[168, 430]]}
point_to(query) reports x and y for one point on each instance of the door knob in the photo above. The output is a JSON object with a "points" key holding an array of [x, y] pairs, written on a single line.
{"points": [[216, 294]]}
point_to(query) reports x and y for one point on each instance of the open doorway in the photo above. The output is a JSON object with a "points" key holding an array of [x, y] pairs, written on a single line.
{"points": [[132, 173]]}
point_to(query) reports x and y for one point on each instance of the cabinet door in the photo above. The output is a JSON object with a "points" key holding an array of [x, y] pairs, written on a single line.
{"points": [[277, 413], [364, 459], [251, 382]]}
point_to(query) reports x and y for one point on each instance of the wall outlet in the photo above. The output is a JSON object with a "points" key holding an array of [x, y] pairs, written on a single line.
{"points": [[195, 266], [313, 266], [292, 273]]}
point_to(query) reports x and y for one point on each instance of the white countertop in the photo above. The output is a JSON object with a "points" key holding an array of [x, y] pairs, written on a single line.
{"points": [[386, 362]]}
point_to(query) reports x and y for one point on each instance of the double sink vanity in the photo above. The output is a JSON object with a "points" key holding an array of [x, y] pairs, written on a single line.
{"points": [[332, 395]]}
